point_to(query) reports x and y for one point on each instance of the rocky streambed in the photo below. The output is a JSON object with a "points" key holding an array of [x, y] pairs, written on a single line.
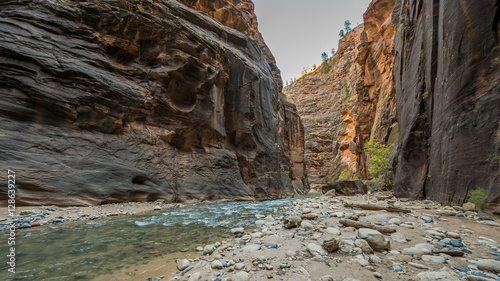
{"points": [[312, 240]]}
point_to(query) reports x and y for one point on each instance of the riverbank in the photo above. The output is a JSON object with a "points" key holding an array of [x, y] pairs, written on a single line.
{"points": [[35, 216], [423, 241]]}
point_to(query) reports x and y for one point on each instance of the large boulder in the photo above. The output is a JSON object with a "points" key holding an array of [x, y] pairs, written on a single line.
{"points": [[346, 187]]}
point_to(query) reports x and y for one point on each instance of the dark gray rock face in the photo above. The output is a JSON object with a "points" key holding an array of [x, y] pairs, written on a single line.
{"points": [[448, 102], [110, 101], [346, 187]]}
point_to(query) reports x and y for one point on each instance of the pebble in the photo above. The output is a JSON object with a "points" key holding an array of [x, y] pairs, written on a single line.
{"points": [[398, 237], [397, 268], [195, 277], [241, 276], [433, 259], [377, 274], [251, 248], [327, 278], [307, 225], [238, 230], [270, 245], [216, 264], [208, 250]]}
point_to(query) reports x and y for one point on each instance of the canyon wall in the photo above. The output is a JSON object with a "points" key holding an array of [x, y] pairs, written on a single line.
{"points": [[349, 99], [447, 82], [112, 101], [326, 102]]}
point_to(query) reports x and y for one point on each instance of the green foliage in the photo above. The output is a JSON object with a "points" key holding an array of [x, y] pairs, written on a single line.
{"points": [[333, 51], [478, 196], [378, 165], [341, 33], [326, 67], [345, 175], [140, 8], [324, 56], [425, 95], [402, 27]]}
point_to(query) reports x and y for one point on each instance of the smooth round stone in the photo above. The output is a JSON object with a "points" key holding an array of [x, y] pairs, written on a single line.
{"points": [[270, 244]]}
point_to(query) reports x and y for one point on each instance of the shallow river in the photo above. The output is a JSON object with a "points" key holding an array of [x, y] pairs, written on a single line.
{"points": [[82, 251]]}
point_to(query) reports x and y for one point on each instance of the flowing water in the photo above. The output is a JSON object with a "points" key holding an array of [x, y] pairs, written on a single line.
{"points": [[82, 251]]}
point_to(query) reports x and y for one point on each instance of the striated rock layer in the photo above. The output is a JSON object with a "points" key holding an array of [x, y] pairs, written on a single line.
{"points": [[326, 102], [110, 101], [448, 84], [350, 99]]}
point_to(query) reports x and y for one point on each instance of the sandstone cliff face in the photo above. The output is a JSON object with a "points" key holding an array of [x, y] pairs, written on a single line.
{"points": [[326, 102], [448, 84], [376, 100], [107, 101]]}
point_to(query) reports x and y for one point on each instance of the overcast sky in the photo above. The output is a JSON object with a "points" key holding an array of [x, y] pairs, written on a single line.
{"points": [[298, 31]]}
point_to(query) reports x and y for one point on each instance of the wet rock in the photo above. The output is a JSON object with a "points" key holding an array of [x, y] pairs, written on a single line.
{"points": [[375, 239], [377, 275]]}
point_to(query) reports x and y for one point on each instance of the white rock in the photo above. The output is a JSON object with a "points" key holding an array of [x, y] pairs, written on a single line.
{"points": [[419, 266], [195, 277], [216, 264], [304, 271], [291, 253], [251, 248], [238, 230], [241, 276], [375, 259], [334, 231], [436, 276], [306, 211], [376, 239], [182, 264], [488, 264], [364, 246], [398, 237], [316, 249], [361, 260], [433, 259], [208, 250], [326, 278], [239, 266], [156, 208], [395, 221], [306, 224]]}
